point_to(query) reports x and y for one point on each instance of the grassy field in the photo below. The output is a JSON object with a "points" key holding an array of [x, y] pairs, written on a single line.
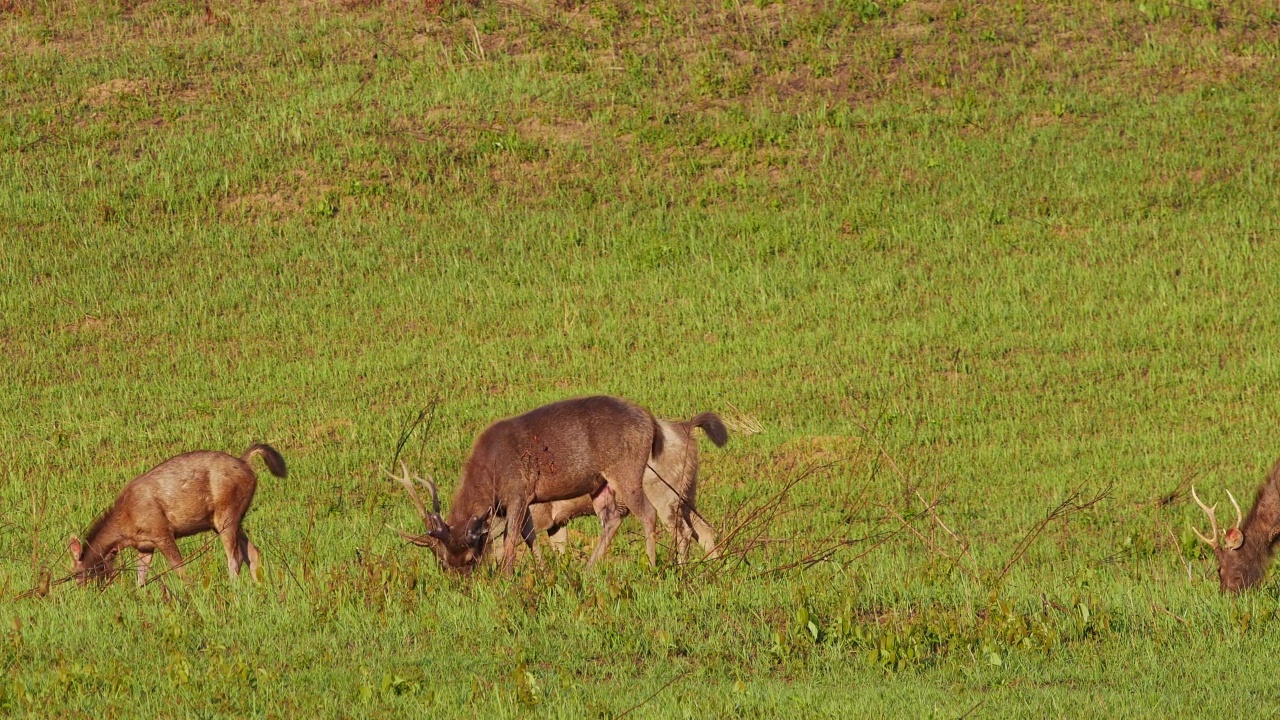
{"points": [[944, 266]]}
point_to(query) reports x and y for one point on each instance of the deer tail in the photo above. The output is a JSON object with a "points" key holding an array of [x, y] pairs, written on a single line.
{"points": [[658, 439], [711, 425], [274, 462]]}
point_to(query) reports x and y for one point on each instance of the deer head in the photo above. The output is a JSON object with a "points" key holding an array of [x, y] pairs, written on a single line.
{"points": [[457, 548], [1238, 566], [87, 563]]}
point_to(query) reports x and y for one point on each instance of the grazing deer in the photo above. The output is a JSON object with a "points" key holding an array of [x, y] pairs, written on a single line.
{"points": [[670, 482], [596, 446], [1246, 548], [184, 495]]}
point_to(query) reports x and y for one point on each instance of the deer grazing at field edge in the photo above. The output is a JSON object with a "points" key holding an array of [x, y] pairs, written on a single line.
{"points": [[1245, 549], [596, 446], [184, 495], [670, 483]]}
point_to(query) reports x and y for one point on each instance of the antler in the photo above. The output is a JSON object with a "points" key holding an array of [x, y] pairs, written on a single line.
{"points": [[1232, 538], [435, 524], [1211, 541]]}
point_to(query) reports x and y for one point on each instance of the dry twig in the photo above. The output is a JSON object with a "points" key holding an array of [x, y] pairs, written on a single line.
{"points": [[1069, 506]]}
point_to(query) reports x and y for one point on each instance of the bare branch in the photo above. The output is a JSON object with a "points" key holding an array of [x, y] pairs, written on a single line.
{"points": [[655, 693], [955, 562], [1067, 507], [929, 507]]}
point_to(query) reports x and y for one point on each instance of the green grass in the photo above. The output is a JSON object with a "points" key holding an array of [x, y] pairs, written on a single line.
{"points": [[966, 252]]}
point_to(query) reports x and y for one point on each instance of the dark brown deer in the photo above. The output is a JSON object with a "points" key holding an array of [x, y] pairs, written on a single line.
{"points": [[184, 495], [1245, 549], [670, 483], [595, 446]]}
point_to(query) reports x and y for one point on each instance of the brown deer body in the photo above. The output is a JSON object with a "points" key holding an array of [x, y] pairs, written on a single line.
{"points": [[595, 446], [188, 494], [670, 483], [1246, 549]]}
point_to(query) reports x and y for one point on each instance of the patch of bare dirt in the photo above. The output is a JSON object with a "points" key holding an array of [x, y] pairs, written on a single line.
{"points": [[272, 204], [564, 133], [88, 323], [106, 93], [1043, 119]]}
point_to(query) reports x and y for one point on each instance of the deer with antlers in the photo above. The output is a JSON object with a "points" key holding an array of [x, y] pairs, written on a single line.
{"points": [[595, 446], [188, 494], [670, 483], [1244, 550]]}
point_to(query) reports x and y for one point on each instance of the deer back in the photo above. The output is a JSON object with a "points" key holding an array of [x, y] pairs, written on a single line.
{"points": [[554, 452]]}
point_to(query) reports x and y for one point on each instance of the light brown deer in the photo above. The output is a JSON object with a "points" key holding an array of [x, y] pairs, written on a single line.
{"points": [[184, 495], [670, 483], [595, 446], [1245, 549]]}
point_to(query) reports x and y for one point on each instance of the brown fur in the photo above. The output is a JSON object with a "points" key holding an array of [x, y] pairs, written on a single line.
{"points": [[192, 493], [670, 483], [1245, 566], [594, 446]]}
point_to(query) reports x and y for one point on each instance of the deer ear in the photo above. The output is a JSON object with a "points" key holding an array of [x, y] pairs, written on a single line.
{"points": [[479, 527], [77, 552], [1233, 539]]}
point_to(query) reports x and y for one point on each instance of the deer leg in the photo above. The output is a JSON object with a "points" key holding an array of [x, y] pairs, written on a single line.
{"points": [[650, 522], [231, 545], [632, 495], [683, 533], [670, 508], [517, 522], [169, 549], [529, 532], [682, 529], [144, 565], [497, 530], [606, 506], [250, 552], [705, 535], [559, 539]]}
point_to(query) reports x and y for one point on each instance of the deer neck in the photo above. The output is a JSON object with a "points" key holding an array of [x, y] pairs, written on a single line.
{"points": [[1261, 526], [1256, 549], [467, 506], [476, 494], [104, 535]]}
